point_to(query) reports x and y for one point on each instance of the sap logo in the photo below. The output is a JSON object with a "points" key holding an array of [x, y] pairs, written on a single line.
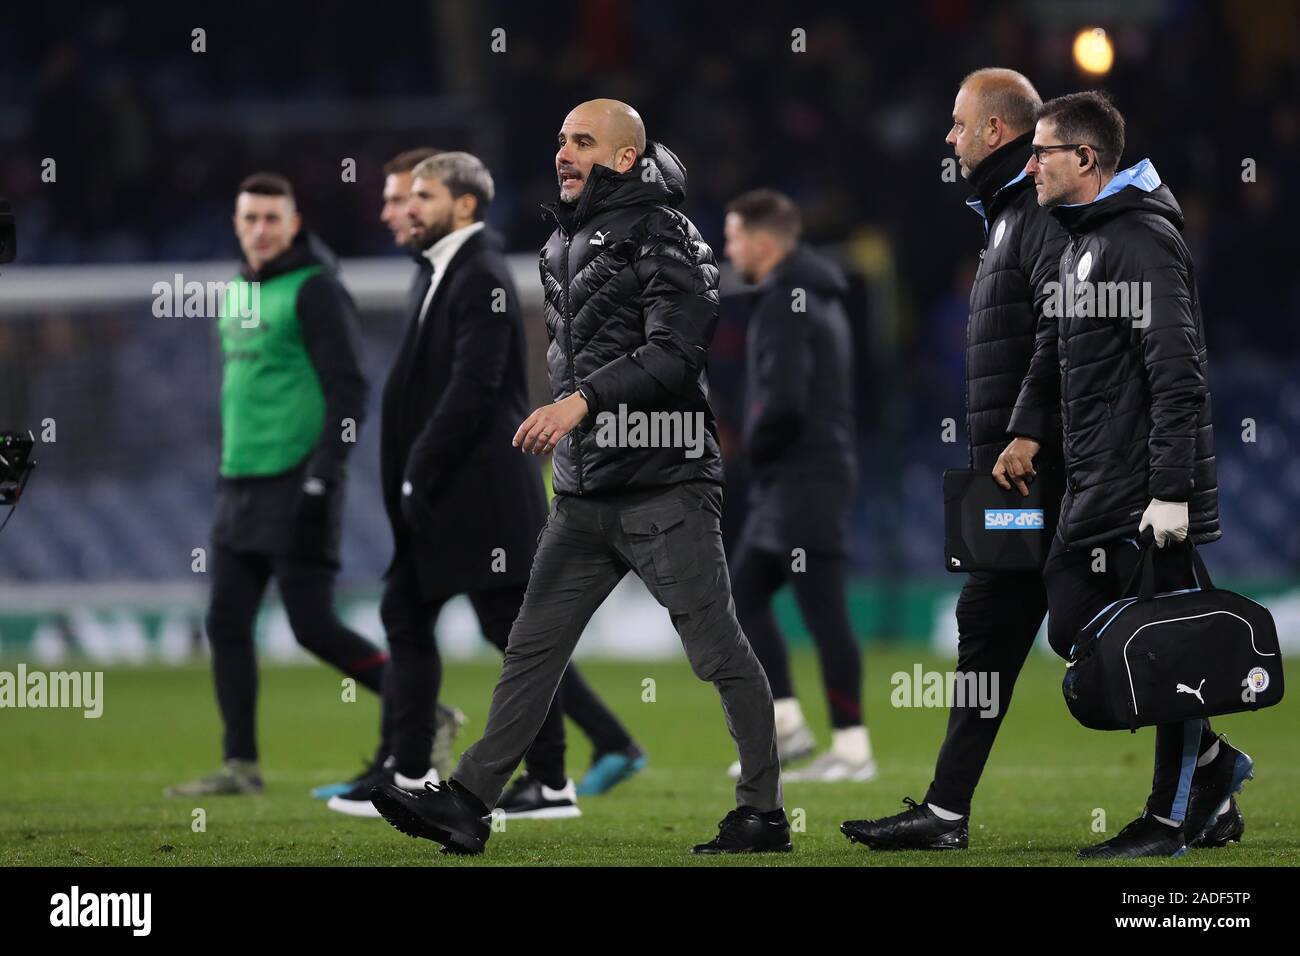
{"points": [[1013, 519]]}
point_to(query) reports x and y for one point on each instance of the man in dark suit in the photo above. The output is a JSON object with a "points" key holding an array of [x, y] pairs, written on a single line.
{"points": [[465, 511], [448, 719]]}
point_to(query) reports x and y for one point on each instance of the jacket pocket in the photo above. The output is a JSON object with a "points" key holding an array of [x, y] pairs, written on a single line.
{"points": [[1115, 440]]}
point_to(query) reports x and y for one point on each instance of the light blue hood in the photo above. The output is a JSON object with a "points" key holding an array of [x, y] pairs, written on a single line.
{"points": [[1142, 174]]}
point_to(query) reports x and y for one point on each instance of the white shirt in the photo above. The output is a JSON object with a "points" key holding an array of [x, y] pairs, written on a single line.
{"points": [[440, 255]]}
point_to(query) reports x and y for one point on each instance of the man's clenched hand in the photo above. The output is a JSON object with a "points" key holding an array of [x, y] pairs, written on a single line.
{"points": [[543, 429], [1016, 463]]}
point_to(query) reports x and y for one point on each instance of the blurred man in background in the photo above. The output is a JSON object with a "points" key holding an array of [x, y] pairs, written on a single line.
{"points": [[631, 303], [799, 449], [292, 400], [999, 613], [397, 193], [1141, 375]]}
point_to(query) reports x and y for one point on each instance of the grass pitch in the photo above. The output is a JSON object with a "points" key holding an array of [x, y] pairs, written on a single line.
{"points": [[89, 792]]}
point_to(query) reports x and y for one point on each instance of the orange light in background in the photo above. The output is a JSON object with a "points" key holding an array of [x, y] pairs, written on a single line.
{"points": [[1093, 51]]}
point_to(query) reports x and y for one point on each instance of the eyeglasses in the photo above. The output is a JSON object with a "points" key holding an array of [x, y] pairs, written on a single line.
{"points": [[1038, 151]]}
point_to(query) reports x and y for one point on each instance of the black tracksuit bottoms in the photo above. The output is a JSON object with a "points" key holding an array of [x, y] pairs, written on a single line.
{"points": [[239, 580], [819, 592], [998, 617]]}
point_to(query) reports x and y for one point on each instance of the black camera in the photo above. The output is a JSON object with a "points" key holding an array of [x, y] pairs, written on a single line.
{"points": [[15, 468]]}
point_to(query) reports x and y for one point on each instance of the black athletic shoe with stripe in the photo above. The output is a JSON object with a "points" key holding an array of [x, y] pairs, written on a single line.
{"points": [[1212, 786], [1145, 836], [1227, 827], [916, 828], [745, 830], [443, 813]]}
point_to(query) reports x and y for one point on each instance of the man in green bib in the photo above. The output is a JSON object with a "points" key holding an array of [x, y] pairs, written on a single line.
{"points": [[292, 400]]}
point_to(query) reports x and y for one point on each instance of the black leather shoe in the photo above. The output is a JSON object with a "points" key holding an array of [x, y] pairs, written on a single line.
{"points": [[744, 830], [916, 828], [439, 812], [1145, 836], [1211, 786]]}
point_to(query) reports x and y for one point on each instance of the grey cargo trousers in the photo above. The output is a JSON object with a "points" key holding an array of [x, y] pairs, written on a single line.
{"points": [[670, 538]]}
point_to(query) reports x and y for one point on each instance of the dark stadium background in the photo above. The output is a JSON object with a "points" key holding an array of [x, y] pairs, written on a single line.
{"points": [[151, 138]]}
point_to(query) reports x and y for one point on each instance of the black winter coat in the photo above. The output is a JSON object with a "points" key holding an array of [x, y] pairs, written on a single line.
{"points": [[452, 403], [631, 302], [1021, 256], [1131, 384], [798, 437]]}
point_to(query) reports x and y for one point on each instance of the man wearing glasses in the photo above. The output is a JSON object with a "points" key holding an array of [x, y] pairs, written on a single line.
{"points": [[1131, 386]]}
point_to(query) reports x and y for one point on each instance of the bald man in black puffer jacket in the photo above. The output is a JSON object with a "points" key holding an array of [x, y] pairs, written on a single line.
{"points": [[999, 612], [631, 302]]}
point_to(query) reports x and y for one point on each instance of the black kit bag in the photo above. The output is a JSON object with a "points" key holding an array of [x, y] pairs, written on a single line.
{"points": [[1163, 658]]}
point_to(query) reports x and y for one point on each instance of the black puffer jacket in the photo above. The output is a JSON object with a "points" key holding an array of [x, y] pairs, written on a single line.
{"points": [[631, 302], [1132, 386], [1021, 254]]}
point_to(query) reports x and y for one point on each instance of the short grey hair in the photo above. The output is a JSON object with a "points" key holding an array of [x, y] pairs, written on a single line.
{"points": [[461, 173]]}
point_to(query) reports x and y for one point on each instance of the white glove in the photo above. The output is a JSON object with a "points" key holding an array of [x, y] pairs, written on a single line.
{"points": [[1168, 519]]}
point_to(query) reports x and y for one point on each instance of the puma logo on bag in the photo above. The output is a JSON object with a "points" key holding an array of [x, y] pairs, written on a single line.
{"points": [[1184, 689]]}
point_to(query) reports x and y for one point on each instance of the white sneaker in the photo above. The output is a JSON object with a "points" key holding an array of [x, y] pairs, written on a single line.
{"points": [[356, 802], [830, 767], [791, 747], [416, 783], [530, 799]]}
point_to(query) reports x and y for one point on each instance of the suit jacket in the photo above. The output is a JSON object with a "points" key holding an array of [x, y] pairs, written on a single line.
{"points": [[452, 403]]}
